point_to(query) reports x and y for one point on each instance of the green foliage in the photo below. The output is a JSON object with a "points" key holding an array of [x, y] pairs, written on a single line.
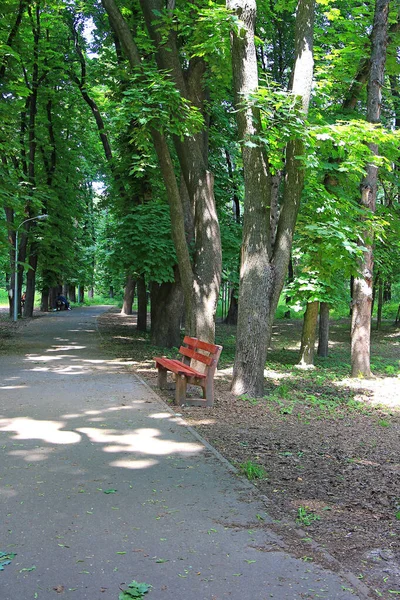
{"points": [[152, 101], [331, 224], [139, 243], [253, 471], [306, 517], [135, 591], [281, 119]]}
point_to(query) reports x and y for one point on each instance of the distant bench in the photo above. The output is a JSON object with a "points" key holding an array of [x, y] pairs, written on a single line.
{"points": [[195, 351]]}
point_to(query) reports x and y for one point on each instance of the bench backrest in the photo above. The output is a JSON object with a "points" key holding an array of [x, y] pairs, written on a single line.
{"points": [[203, 352]]}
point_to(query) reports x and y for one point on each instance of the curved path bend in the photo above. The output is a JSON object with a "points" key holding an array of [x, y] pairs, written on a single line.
{"points": [[100, 484]]}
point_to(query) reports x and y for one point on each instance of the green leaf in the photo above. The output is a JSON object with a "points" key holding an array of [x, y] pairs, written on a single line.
{"points": [[135, 591]]}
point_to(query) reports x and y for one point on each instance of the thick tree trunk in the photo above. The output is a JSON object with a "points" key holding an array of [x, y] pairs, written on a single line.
{"points": [[323, 333], [362, 299], [129, 295], [308, 336], [256, 275], [263, 267], [142, 305], [201, 283], [166, 314]]}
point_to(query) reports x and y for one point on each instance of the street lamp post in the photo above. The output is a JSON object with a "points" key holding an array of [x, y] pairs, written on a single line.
{"points": [[38, 218]]}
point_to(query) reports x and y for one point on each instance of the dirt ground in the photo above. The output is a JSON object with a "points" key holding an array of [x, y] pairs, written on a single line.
{"points": [[325, 447]]}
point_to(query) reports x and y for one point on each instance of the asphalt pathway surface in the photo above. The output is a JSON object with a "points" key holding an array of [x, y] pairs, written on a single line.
{"points": [[100, 485]]}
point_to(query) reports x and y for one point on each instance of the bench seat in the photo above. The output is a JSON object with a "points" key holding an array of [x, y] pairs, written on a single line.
{"points": [[195, 352]]}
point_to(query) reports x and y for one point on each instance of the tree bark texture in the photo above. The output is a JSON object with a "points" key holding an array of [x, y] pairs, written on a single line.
{"points": [[323, 331], [362, 295], [308, 335], [129, 295], [166, 313], [256, 275], [265, 258], [142, 304]]}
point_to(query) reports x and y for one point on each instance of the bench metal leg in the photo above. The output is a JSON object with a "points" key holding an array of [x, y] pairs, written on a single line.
{"points": [[180, 390]]}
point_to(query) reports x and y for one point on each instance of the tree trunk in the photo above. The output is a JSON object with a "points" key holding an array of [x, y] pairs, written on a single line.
{"points": [[380, 304], [200, 282], [44, 302], [323, 333], [351, 294], [263, 267], [232, 316], [308, 335], [31, 282], [290, 278], [166, 314], [362, 299], [387, 291], [129, 295], [53, 292], [256, 275], [142, 305]]}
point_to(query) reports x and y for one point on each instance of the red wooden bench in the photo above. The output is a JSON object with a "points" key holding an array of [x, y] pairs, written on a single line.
{"points": [[194, 352]]}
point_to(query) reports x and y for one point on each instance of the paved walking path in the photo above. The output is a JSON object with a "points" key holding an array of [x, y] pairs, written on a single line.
{"points": [[101, 485]]}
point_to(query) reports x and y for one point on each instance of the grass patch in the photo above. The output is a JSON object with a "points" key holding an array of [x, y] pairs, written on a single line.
{"points": [[253, 471], [306, 517]]}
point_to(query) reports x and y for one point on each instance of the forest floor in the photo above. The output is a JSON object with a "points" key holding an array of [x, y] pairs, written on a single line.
{"points": [[322, 449]]}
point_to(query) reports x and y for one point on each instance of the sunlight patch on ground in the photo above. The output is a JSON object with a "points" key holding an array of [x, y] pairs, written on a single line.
{"points": [[71, 346], [134, 464], [13, 387], [144, 441], [194, 421], [384, 391], [41, 358], [32, 429], [32, 455], [7, 492], [163, 415], [71, 370]]}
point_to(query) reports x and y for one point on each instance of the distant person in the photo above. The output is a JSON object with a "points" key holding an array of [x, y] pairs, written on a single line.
{"points": [[23, 299], [62, 301]]}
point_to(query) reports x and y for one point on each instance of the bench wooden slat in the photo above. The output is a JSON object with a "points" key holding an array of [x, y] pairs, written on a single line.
{"points": [[207, 360], [178, 367], [198, 344]]}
